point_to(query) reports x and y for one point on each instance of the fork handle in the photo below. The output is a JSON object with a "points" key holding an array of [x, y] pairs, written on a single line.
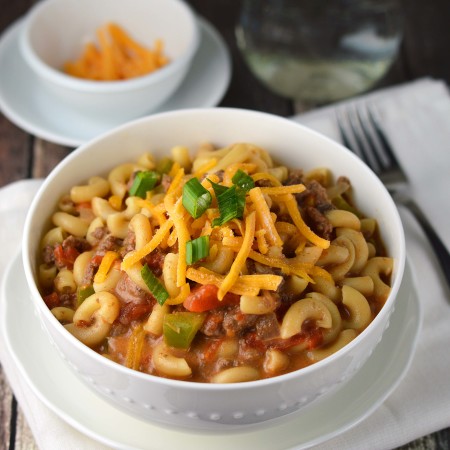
{"points": [[440, 249]]}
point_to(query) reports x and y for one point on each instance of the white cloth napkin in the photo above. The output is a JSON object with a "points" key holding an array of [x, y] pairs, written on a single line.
{"points": [[416, 117], [50, 432]]}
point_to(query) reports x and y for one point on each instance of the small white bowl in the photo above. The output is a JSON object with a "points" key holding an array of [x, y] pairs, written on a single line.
{"points": [[203, 406], [56, 31]]}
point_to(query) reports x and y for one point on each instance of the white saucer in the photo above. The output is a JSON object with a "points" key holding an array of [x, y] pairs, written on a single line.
{"points": [[52, 380], [22, 102]]}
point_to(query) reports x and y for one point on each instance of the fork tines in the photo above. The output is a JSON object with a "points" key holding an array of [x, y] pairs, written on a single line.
{"points": [[361, 133]]}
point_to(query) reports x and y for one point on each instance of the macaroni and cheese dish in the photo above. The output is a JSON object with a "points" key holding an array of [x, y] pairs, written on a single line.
{"points": [[222, 268]]}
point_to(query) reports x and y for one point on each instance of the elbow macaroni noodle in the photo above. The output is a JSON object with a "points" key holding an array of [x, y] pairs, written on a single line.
{"points": [[280, 286]]}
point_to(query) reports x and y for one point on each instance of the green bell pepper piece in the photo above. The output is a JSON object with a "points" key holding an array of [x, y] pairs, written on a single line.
{"points": [[83, 293], [180, 328], [341, 203]]}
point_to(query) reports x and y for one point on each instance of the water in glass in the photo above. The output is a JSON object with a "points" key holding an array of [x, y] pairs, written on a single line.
{"points": [[319, 51]]}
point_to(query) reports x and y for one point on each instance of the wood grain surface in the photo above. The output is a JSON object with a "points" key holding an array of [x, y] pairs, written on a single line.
{"points": [[424, 52]]}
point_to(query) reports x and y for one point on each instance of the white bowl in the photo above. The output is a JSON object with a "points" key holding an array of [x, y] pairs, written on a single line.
{"points": [[202, 406], [56, 31]]}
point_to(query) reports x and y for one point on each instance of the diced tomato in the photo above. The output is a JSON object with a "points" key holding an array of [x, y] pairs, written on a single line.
{"points": [[65, 257], [134, 311], [85, 211], [96, 260], [253, 341], [84, 205], [313, 338], [58, 252], [211, 350], [204, 298], [51, 300]]}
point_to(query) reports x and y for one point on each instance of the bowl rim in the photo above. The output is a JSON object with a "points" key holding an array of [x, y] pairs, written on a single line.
{"points": [[59, 78], [387, 308]]}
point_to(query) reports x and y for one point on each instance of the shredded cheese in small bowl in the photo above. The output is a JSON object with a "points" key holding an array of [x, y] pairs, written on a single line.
{"points": [[116, 56]]}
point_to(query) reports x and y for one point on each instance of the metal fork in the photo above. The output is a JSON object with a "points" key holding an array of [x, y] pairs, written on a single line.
{"points": [[360, 132]]}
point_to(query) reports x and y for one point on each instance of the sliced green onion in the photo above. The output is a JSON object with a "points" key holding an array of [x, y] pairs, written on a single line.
{"points": [[243, 180], [231, 205], [143, 182], [197, 249], [154, 285], [196, 199], [218, 188], [164, 165], [231, 200]]}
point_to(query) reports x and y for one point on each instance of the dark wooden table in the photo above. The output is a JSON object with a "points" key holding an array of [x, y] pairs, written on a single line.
{"points": [[424, 52]]}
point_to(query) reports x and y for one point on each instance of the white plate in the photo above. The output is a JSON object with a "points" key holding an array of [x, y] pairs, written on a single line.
{"points": [[55, 384], [30, 108]]}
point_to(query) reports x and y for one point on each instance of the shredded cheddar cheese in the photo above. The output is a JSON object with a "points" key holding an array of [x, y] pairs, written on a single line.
{"points": [[286, 227], [155, 211], [234, 242], [256, 236], [242, 255], [183, 237], [205, 168], [261, 240], [116, 57], [177, 174], [266, 176], [286, 266], [115, 201], [135, 346], [281, 190], [181, 297], [317, 271], [133, 257], [292, 207], [244, 285], [264, 217], [105, 266]]}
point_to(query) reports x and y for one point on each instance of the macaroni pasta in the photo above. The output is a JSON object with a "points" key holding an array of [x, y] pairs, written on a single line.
{"points": [[221, 268]]}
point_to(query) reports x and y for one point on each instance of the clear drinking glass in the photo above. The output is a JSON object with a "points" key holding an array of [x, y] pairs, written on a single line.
{"points": [[319, 51]]}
